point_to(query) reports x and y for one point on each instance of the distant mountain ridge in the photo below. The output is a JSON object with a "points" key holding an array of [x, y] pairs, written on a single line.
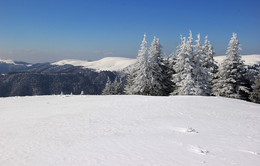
{"points": [[73, 76], [105, 64]]}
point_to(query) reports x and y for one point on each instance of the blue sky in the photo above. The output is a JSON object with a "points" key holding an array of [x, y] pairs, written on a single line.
{"points": [[50, 30]]}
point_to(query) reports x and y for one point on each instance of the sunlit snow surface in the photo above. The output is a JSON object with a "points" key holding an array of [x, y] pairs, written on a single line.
{"points": [[108, 63], [128, 131]]}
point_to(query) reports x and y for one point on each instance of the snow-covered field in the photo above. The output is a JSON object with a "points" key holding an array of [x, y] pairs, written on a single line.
{"points": [[128, 131]]}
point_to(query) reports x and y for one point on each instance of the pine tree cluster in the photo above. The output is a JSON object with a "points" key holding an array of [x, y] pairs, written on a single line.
{"points": [[150, 75], [190, 71], [113, 88]]}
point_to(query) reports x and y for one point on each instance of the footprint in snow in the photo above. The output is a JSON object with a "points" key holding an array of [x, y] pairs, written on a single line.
{"points": [[254, 153], [185, 130], [191, 130], [198, 150]]}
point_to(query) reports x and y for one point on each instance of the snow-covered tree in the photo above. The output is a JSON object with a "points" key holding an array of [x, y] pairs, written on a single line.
{"points": [[183, 78], [232, 76], [118, 87], [209, 62], [200, 71], [137, 82], [159, 81], [108, 90], [82, 92], [255, 95], [113, 88]]}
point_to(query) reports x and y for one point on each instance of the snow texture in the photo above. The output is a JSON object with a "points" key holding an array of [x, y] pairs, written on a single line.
{"points": [[128, 130]]}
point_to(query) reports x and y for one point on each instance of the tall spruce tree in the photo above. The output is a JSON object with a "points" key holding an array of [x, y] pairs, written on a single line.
{"points": [[159, 81], [184, 78], [209, 62], [232, 76], [137, 82], [201, 72]]}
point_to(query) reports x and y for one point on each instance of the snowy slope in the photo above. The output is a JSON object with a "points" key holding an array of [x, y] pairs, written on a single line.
{"points": [[108, 63], [8, 61], [128, 131], [249, 59]]}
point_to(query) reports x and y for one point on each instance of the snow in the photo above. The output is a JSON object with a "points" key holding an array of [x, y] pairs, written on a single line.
{"points": [[128, 130], [249, 59], [8, 61], [108, 63]]}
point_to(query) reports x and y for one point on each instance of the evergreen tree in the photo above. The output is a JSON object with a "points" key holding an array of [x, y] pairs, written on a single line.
{"points": [[168, 71], [108, 90], [200, 71], [183, 78], [255, 95], [118, 87], [159, 82], [232, 76], [137, 82], [209, 62]]}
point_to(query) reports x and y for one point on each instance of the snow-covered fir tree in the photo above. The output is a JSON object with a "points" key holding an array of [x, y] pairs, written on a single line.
{"points": [[113, 88], [209, 62], [255, 95], [169, 71], [118, 87], [200, 70], [159, 79], [137, 82], [184, 79], [108, 90], [232, 76]]}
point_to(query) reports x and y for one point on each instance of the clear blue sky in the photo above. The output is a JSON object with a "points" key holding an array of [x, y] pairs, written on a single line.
{"points": [[50, 30]]}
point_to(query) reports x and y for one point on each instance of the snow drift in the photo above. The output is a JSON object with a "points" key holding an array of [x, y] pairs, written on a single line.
{"points": [[129, 131]]}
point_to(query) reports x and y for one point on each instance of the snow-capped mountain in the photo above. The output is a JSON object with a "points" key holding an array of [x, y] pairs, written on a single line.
{"points": [[120, 63], [128, 131], [108, 63], [248, 59], [8, 61]]}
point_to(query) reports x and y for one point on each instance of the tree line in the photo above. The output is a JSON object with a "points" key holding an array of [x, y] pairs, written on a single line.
{"points": [[191, 70]]}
